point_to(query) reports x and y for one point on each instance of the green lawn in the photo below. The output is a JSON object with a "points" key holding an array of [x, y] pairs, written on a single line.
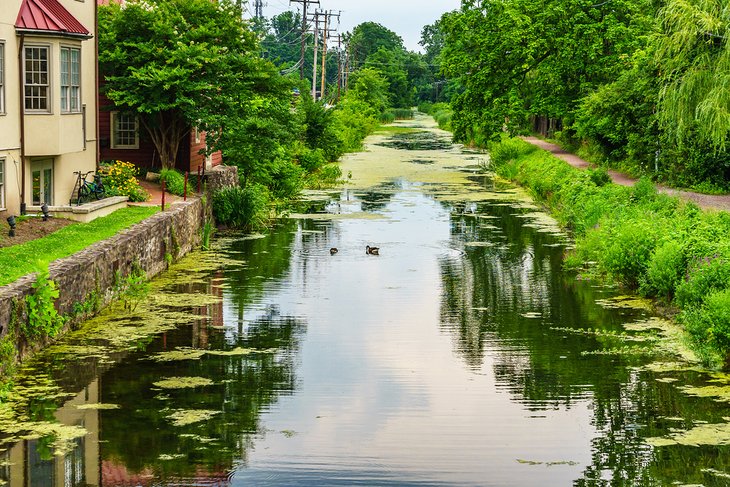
{"points": [[34, 256]]}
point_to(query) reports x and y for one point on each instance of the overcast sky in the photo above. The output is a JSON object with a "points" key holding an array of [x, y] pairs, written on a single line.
{"points": [[404, 17]]}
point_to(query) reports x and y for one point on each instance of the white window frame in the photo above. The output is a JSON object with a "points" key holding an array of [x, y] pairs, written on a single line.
{"points": [[115, 116], [3, 178], [2, 79], [47, 85], [70, 93]]}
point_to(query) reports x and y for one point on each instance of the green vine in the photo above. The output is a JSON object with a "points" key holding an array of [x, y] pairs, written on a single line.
{"points": [[136, 287], [43, 318]]}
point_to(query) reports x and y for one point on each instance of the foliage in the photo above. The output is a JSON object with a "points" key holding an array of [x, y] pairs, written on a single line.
{"points": [[43, 318], [175, 64], [706, 275], [136, 287], [709, 326], [244, 208], [35, 255], [646, 240], [694, 52], [665, 270], [320, 132], [174, 181], [120, 178]]}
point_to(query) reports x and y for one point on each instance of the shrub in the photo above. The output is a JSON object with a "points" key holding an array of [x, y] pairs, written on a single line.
{"points": [[599, 176], [43, 319], [709, 325], [628, 252], [704, 276], [174, 181], [386, 117], [244, 208], [120, 179], [665, 271]]}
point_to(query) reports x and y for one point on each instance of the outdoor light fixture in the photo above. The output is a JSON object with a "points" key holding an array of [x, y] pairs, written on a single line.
{"points": [[44, 209], [11, 222]]}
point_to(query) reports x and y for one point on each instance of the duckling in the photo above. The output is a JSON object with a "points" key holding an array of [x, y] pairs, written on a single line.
{"points": [[333, 250], [372, 250]]}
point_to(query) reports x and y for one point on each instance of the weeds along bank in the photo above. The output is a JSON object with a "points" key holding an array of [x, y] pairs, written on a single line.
{"points": [[654, 244]]}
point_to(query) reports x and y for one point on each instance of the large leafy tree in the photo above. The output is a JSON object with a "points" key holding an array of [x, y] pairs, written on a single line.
{"points": [[175, 64], [369, 37], [516, 58], [694, 54]]}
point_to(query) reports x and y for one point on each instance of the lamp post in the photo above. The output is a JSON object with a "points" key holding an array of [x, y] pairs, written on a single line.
{"points": [[11, 222], [44, 209]]}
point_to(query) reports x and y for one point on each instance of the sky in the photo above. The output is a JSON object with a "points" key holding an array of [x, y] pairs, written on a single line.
{"points": [[404, 17]]}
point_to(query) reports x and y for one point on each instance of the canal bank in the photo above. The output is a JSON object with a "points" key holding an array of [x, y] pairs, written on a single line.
{"points": [[91, 279]]}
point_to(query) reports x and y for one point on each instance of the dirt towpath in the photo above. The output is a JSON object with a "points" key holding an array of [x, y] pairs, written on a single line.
{"points": [[706, 201]]}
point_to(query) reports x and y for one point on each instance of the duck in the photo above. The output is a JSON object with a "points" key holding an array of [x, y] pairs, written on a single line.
{"points": [[333, 250], [372, 250]]}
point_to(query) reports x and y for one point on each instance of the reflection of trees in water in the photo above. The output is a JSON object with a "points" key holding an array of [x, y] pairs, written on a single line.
{"points": [[379, 196], [488, 290], [140, 433]]}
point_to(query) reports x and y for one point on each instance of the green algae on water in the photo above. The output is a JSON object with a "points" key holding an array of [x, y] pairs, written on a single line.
{"points": [[98, 406], [183, 382], [184, 417], [178, 354], [715, 434]]}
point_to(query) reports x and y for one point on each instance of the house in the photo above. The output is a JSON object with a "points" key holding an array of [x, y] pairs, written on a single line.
{"points": [[48, 101], [122, 138]]}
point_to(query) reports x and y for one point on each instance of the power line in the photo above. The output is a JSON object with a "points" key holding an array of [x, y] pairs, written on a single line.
{"points": [[304, 30]]}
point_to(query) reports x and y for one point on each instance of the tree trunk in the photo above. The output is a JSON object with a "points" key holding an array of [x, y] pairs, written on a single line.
{"points": [[167, 130]]}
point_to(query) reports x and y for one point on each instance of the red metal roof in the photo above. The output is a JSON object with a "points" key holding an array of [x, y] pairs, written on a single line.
{"points": [[48, 16]]}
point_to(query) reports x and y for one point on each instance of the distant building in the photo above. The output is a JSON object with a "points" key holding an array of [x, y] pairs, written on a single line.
{"points": [[48, 100]]}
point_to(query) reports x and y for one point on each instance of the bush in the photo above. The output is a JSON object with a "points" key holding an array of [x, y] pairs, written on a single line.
{"points": [[599, 176], [628, 252], [120, 179], [704, 276], [665, 271], [244, 208], [709, 325], [174, 181], [386, 117]]}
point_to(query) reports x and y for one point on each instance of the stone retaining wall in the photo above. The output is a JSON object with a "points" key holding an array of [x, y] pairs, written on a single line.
{"points": [[95, 272]]}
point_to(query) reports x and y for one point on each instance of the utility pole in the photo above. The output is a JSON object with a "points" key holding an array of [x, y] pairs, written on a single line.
{"points": [[259, 9], [326, 31], [339, 67], [317, 14], [304, 31]]}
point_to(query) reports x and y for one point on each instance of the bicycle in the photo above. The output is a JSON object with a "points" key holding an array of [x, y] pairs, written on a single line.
{"points": [[87, 189]]}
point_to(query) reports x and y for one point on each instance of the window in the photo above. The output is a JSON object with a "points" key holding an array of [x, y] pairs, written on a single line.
{"points": [[125, 133], [2, 79], [36, 78], [70, 80], [2, 183]]}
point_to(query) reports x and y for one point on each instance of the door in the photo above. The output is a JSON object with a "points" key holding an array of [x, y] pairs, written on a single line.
{"points": [[42, 180]]}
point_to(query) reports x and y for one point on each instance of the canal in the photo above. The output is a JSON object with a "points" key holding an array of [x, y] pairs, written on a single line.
{"points": [[462, 354]]}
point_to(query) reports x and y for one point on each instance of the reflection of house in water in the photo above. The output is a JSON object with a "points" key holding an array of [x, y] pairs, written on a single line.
{"points": [[32, 462]]}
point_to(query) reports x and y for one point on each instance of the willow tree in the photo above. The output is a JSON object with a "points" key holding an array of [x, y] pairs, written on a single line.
{"points": [[174, 63], [694, 54]]}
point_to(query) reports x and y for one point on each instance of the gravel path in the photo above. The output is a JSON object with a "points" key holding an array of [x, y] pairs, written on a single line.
{"points": [[706, 201]]}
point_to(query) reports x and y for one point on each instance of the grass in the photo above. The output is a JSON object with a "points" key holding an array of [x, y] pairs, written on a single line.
{"points": [[34, 256]]}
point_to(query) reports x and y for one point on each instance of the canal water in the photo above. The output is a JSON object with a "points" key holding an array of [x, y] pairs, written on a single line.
{"points": [[462, 354]]}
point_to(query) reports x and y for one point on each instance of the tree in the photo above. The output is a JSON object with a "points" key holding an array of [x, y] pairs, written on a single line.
{"points": [[694, 53], [367, 38], [516, 58], [174, 63]]}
